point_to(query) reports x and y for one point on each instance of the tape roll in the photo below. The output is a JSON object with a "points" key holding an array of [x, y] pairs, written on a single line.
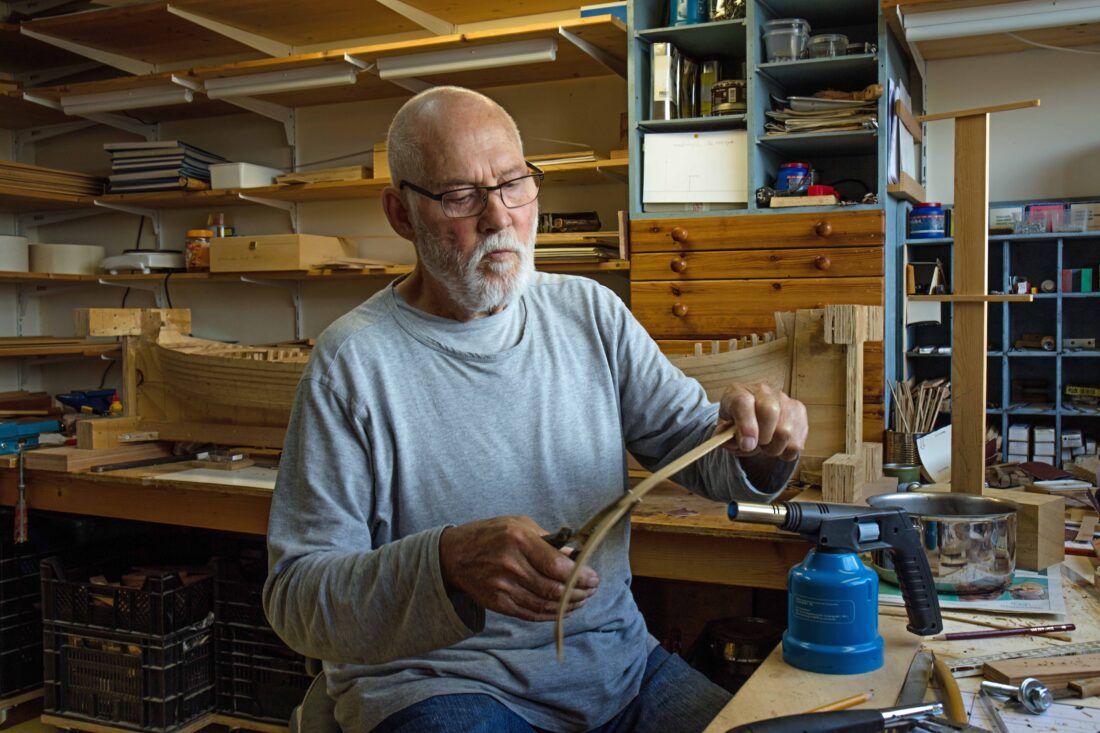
{"points": [[14, 256], [66, 259]]}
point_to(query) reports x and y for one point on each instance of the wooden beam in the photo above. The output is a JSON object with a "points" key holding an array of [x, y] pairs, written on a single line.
{"points": [[907, 188], [976, 112], [968, 333], [908, 120]]}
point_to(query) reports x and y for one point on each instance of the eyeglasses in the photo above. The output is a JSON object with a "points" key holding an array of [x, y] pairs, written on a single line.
{"points": [[460, 203]]}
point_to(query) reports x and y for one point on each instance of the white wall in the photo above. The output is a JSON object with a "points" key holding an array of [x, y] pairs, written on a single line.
{"points": [[1049, 152], [583, 111]]}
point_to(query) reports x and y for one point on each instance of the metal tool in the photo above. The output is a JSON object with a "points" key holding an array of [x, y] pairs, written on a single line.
{"points": [[972, 666], [843, 721], [832, 596], [1031, 693], [994, 714], [916, 680]]}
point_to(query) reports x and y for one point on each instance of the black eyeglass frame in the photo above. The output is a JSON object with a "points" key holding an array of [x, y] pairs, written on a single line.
{"points": [[537, 173]]}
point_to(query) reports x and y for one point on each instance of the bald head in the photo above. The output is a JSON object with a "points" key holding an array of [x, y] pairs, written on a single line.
{"points": [[434, 119]]}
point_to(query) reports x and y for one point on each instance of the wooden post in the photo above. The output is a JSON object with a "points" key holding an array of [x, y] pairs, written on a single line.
{"points": [[968, 328]]}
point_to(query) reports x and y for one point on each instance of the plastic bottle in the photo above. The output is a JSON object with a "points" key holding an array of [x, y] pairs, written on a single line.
{"points": [[197, 249]]}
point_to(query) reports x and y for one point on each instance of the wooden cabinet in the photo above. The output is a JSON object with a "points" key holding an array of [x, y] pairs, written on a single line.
{"points": [[715, 278]]}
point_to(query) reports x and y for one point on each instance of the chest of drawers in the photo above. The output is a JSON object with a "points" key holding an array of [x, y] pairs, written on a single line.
{"points": [[703, 278]]}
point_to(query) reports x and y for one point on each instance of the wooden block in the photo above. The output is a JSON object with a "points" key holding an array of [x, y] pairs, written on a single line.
{"points": [[1040, 527], [872, 462], [98, 433], [70, 460], [127, 321], [1051, 671], [788, 202], [819, 381], [841, 476], [276, 252], [1086, 687]]}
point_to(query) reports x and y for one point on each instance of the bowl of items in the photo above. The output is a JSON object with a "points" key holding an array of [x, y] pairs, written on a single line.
{"points": [[970, 541], [786, 39]]}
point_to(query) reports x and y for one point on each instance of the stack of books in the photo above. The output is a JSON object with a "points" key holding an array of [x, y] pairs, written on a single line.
{"points": [[163, 165]]}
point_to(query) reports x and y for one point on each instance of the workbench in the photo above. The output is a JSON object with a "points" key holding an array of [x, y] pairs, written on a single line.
{"points": [[676, 535]]}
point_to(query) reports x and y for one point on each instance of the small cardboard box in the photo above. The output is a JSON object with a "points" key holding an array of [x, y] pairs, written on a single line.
{"points": [[276, 252], [381, 162], [1019, 431]]}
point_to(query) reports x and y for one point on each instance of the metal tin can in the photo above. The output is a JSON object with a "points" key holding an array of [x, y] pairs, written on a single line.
{"points": [[728, 97], [927, 221], [688, 12]]}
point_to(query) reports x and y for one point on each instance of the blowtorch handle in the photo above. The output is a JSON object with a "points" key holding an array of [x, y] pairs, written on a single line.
{"points": [[841, 721], [915, 580]]}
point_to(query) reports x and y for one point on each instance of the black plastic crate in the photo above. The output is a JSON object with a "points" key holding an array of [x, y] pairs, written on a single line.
{"points": [[162, 606], [20, 657], [257, 675], [141, 681], [238, 588]]}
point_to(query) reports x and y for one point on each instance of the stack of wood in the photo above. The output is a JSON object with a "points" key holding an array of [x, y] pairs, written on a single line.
{"points": [[1006, 476], [53, 346], [48, 180]]}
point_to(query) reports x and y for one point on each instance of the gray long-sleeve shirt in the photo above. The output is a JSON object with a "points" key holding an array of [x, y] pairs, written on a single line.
{"points": [[405, 423]]}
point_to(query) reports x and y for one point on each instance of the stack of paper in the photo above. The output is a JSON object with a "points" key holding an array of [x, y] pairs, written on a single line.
{"points": [[159, 166], [856, 117]]}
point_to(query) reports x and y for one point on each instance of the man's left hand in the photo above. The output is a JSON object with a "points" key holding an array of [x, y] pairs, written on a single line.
{"points": [[767, 420]]}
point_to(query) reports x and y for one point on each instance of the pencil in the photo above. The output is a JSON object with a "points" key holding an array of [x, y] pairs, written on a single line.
{"points": [[848, 702], [1016, 631]]}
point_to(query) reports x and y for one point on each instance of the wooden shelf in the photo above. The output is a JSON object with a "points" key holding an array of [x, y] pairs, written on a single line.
{"points": [[810, 75], [20, 53], [17, 113], [11, 347], [18, 199], [45, 278], [605, 33], [145, 32], [13, 199]]}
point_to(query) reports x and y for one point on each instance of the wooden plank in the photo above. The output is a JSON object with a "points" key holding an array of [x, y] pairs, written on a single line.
{"points": [[70, 460], [126, 321], [969, 329], [758, 264], [778, 689], [819, 381], [344, 173], [907, 119], [907, 188], [1081, 34], [221, 434], [976, 112], [64, 723], [703, 559], [1051, 671]]}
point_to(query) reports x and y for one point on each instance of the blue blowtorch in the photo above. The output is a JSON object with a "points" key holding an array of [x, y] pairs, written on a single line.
{"points": [[832, 597]]}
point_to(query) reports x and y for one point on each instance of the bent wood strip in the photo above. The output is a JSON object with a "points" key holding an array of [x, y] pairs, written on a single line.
{"points": [[621, 509]]}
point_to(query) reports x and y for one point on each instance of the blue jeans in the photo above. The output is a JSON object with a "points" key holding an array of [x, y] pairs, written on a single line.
{"points": [[674, 698]]}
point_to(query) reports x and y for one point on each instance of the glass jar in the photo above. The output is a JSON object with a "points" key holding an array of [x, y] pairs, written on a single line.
{"points": [[197, 249]]}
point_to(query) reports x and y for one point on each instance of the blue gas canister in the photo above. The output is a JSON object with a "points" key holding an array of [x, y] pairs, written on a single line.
{"points": [[793, 177], [832, 615], [927, 221]]}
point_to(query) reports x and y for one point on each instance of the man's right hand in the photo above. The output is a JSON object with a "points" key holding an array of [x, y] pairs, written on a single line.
{"points": [[506, 566]]}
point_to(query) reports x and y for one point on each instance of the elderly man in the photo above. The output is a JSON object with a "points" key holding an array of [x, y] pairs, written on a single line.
{"points": [[446, 424]]}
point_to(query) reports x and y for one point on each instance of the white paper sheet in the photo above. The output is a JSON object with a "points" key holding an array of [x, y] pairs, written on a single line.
{"points": [[935, 454], [695, 167]]}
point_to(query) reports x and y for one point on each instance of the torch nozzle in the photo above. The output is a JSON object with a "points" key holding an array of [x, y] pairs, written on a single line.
{"points": [[744, 511]]}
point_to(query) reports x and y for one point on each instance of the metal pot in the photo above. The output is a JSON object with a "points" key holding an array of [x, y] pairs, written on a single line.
{"points": [[970, 541]]}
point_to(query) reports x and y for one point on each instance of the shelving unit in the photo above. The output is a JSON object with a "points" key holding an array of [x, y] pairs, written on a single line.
{"points": [[1060, 314], [858, 155]]}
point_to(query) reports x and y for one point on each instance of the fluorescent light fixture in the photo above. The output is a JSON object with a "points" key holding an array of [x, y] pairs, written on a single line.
{"points": [[1006, 18], [273, 82], [468, 59], [123, 99]]}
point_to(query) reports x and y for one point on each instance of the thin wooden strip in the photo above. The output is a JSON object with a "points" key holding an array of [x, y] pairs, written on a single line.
{"points": [[620, 510]]}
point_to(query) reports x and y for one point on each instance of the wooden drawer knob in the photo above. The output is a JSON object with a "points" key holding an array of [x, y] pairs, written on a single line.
{"points": [[679, 234], [822, 263], [679, 310], [679, 264], [823, 228]]}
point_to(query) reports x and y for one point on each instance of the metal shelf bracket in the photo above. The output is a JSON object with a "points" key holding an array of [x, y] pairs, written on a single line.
{"points": [[295, 289], [289, 207], [261, 43], [616, 65], [156, 287]]}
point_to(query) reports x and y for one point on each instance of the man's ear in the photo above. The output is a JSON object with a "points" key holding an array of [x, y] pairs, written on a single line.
{"points": [[393, 203]]}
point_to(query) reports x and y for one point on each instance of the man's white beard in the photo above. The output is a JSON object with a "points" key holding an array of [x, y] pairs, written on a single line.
{"points": [[476, 284]]}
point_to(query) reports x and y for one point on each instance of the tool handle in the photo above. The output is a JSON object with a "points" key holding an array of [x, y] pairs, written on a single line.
{"points": [[842, 721], [918, 590]]}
